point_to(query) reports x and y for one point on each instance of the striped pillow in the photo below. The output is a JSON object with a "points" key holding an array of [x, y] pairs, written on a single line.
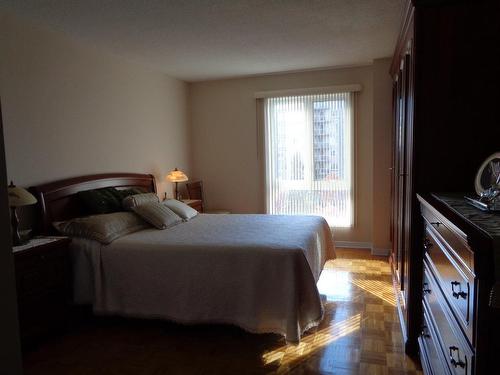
{"points": [[137, 199], [104, 228], [157, 214]]}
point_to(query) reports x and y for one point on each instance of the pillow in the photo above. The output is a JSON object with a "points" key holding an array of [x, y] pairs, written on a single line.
{"points": [[100, 201], [137, 199], [124, 193], [157, 214], [181, 209], [103, 228]]}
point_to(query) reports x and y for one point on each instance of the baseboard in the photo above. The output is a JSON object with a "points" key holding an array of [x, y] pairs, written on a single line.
{"points": [[380, 252], [353, 245]]}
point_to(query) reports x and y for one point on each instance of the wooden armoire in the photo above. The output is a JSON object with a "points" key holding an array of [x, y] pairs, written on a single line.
{"points": [[446, 96]]}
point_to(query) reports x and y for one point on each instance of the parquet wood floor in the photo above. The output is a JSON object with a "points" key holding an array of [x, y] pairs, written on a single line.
{"points": [[360, 334]]}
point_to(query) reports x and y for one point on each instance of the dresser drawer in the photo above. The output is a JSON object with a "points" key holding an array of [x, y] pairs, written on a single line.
{"points": [[434, 361], [450, 236], [455, 281], [452, 343]]}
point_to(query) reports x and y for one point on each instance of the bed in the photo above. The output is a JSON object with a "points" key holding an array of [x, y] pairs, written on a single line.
{"points": [[258, 272]]}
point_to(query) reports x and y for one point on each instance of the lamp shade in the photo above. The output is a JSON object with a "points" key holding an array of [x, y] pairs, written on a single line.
{"points": [[176, 176], [19, 196]]}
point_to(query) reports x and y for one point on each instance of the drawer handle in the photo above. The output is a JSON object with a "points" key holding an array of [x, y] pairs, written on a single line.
{"points": [[425, 333], [456, 362], [426, 289], [460, 293], [427, 244]]}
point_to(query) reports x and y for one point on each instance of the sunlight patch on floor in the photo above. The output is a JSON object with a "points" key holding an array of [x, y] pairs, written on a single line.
{"points": [[335, 285], [380, 289]]}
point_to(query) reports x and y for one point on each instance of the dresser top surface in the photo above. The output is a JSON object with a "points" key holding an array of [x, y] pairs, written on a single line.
{"points": [[488, 222]]}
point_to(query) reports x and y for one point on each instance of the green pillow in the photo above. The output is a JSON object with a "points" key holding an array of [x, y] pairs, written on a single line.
{"points": [[105, 200], [100, 201], [124, 193]]}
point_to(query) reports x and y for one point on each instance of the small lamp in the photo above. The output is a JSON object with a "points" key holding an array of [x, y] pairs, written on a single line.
{"points": [[176, 176], [18, 197]]}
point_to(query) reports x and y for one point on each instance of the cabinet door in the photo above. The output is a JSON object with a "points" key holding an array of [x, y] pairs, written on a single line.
{"points": [[394, 183], [43, 290], [406, 170], [401, 171], [401, 179], [396, 225]]}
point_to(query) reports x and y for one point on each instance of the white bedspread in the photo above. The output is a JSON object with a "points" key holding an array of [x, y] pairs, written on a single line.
{"points": [[258, 272]]}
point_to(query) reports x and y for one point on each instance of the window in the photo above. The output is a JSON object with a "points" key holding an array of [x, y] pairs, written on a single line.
{"points": [[309, 156]]}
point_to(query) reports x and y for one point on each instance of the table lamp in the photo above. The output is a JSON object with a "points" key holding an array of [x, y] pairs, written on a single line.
{"points": [[176, 176], [18, 197]]}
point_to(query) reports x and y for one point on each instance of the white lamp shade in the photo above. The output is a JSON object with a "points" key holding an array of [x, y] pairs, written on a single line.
{"points": [[176, 176], [20, 197]]}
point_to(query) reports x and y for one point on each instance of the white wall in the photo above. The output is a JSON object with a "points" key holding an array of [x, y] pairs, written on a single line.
{"points": [[225, 145], [70, 110]]}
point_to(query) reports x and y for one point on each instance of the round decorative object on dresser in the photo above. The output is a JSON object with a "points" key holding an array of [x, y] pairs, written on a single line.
{"points": [[487, 182]]}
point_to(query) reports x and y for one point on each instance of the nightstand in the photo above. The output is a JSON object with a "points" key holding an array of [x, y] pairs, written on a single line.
{"points": [[197, 204], [43, 281]]}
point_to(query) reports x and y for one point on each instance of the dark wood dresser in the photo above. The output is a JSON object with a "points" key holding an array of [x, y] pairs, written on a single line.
{"points": [[460, 247], [43, 281], [446, 123]]}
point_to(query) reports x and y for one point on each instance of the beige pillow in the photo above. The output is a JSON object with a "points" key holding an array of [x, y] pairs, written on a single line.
{"points": [[137, 199], [104, 228], [157, 214], [181, 209]]}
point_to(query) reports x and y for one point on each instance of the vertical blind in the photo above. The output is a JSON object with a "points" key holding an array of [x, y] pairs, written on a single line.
{"points": [[309, 156]]}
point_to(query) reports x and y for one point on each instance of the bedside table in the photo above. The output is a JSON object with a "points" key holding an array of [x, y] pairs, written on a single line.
{"points": [[43, 282], [197, 204]]}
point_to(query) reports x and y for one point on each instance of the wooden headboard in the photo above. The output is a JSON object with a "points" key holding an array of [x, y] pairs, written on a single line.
{"points": [[58, 201]]}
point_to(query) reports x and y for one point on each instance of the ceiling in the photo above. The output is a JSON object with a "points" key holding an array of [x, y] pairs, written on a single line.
{"points": [[198, 40]]}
